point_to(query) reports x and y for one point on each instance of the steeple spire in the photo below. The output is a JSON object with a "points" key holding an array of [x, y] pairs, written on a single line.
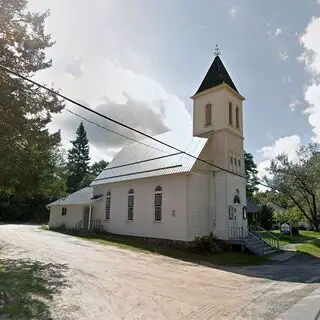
{"points": [[217, 51], [216, 75]]}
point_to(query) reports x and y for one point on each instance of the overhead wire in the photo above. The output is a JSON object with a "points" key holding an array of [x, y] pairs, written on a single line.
{"points": [[119, 122], [114, 132], [104, 128]]}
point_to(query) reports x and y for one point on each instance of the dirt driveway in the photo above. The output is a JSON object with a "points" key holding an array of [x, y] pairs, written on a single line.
{"points": [[91, 281]]}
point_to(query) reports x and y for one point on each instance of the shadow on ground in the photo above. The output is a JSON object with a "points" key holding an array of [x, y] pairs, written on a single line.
{"points": [[302, 268], [30, 287]]}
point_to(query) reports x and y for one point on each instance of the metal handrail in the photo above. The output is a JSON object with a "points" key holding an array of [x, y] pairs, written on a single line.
{"points": [[248, 242], [265, 235], [78, 225], [237, 232], [95, 224]]}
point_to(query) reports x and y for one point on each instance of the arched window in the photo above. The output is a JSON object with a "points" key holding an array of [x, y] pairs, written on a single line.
{"points": [[108, 205], [237, 118], [230, 113], [236, 198], [130, 204], [244, 212], [158, 204], [208, 114]]}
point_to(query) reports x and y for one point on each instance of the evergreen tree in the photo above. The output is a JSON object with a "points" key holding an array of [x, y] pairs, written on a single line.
{"points": [[251, 173], [78, 160]]}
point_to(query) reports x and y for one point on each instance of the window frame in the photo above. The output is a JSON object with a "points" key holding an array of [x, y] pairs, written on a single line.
{"points": [[64, 211], [237, 117], [130, 209], [108, 206], [230, 114], [208, 115], [158, 204]]}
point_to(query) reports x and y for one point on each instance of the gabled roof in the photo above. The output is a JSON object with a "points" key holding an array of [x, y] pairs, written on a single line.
{"points": [[83, 196], [136, 161], [216, 75]]}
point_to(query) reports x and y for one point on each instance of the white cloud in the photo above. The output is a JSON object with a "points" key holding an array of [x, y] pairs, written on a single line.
{"points": [[311, 45], [123, 95], [284, 55], [97, 63], [288, 145], [295, 103], [233, 11], [311, 58], [277, 32]]}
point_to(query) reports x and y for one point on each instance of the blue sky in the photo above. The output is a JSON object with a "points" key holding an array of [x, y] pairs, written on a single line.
{"points": [[145, 58]]}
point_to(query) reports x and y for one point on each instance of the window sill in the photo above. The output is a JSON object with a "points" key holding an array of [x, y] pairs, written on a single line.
{"points": [[106, 220], [129, 221], [157, 221]]}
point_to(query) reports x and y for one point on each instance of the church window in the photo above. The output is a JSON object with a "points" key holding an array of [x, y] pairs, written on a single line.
{"points": [[231, 212], [239, 163], [236, 198], [64, 211], [237, 118], [158, 204], [108, 205], [208, 114], [230, 113], [244, 212], [130, 204]]}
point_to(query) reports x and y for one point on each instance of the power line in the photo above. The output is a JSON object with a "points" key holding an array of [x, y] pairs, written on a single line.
{"points": [[112, 131], [115, 121], [102, 127]]}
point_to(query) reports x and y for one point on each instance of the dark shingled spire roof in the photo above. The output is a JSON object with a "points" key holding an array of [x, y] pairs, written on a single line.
{"points": [[216, 75]]}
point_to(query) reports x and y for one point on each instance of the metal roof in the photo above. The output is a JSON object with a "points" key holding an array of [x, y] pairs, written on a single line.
{"points": [[83, 196], [136, 161]]}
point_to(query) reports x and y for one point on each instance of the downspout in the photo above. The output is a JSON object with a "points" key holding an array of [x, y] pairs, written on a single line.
{"points": [[187, 207], [90, 212]]}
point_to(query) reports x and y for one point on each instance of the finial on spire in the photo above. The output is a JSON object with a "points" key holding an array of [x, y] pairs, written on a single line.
{"points": [[217, 51]]}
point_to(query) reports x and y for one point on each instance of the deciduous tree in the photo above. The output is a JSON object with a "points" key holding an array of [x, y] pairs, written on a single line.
{"points": [[299, 181]]}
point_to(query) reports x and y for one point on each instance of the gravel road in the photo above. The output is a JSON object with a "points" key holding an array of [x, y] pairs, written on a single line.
{"points": [[100, 282]]}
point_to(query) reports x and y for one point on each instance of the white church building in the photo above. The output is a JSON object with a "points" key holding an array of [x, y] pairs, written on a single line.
{"points": [[150, 190]]}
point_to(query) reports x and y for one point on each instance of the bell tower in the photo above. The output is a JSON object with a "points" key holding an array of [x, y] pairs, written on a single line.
{"points": [[218, 116]]}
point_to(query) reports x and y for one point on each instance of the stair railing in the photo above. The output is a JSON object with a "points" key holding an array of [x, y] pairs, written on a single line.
{"points": [[95, 224], [78, 226], [265, 236], [238, 233], [249, 245]]}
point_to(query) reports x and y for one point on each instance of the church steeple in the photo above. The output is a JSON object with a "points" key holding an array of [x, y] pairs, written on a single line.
{"points": [[217, 104], [216, 75]]}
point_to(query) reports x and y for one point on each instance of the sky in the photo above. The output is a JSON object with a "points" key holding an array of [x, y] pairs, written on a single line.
{"points": [[139, 61]]}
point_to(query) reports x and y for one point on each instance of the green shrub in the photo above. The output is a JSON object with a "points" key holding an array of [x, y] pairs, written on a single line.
{"points": [[208, 244]]}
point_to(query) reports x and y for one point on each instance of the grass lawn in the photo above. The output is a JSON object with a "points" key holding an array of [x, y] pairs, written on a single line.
{"points": [[310, 248], [302, 237], [223, 258], [29, 287]]}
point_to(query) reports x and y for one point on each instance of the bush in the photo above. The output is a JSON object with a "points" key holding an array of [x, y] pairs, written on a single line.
{"points": [[208, 244]]}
